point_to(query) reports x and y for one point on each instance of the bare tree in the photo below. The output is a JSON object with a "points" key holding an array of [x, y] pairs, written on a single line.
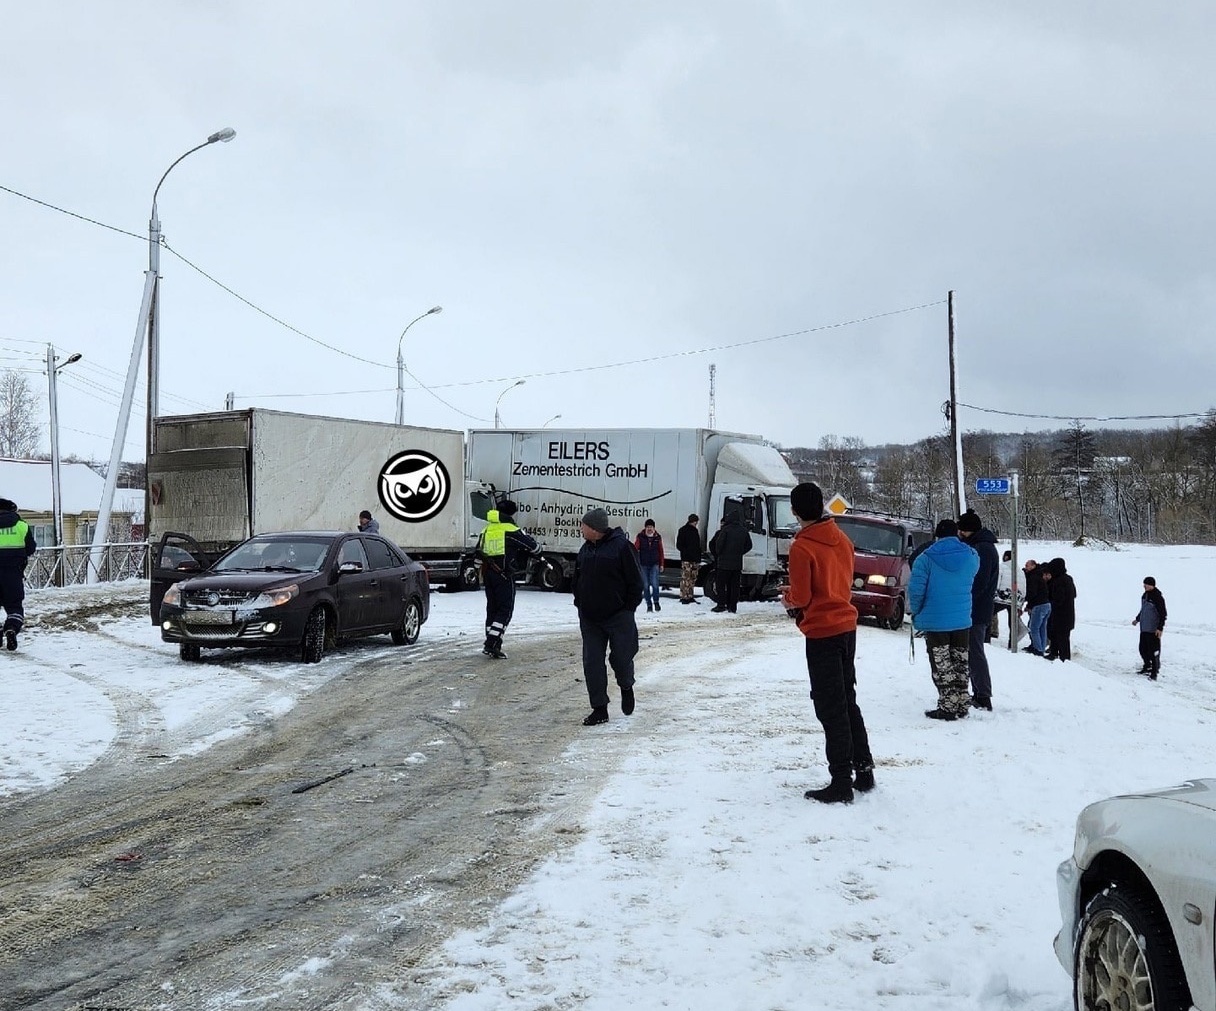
{"points": [[20, 431]]}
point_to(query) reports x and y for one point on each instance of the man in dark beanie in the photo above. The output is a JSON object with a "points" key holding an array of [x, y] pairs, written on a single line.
{"points": [[16, 545], [608, 587], [1151, 620], [983, 603], [503, 549], [818, 599]]}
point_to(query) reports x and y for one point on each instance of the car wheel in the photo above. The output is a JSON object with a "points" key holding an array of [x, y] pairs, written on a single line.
{"points": [[312, 646], [1126, 956], [896, 621], [191, 652], [406, 634]]}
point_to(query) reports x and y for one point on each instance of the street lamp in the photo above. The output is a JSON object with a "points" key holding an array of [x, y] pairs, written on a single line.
{"points": [[497, 420], [550, 421], [401, 363], [148, 324], [52, 373]]}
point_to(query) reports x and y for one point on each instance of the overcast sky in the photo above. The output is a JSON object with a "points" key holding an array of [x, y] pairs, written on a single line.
{"points": [[663, 185]]}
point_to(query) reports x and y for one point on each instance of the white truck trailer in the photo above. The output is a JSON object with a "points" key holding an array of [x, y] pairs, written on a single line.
{"points": [[225, 476], [555, 476]]}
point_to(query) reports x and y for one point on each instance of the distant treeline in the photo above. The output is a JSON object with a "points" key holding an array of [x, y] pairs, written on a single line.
{"points": [[1153, 486]]}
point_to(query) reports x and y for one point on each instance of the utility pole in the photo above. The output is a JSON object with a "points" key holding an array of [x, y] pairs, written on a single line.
{"points": [[956, 445], [713, 374]]}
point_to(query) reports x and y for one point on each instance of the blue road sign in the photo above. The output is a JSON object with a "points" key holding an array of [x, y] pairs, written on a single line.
{"points": [[992, 485]]}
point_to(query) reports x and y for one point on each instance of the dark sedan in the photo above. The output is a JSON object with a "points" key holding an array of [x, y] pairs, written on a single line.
{"points": [[303, 591]]}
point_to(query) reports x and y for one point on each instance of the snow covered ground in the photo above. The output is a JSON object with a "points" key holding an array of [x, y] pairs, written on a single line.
{"points": [[700, 877]]}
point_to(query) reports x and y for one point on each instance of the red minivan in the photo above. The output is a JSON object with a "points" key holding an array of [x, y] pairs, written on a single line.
{"points": [[881, 546]]}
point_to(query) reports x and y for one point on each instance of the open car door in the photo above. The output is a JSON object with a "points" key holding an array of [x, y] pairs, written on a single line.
{"points": [[174, 558]]}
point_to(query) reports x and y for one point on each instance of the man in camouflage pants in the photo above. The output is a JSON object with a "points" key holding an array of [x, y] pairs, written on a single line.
{"points": [[939, 596], [688, 543]]}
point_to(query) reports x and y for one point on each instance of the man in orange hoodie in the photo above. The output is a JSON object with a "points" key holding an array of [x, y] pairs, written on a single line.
{"points": [[818, 598]]}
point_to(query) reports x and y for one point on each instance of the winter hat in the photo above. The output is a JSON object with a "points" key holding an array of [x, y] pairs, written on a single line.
{"points": [[649, 523], [507, 508], [970, 521], [807, 501], [1149, 581], [946, 528], [7, 504], [597, 519]]}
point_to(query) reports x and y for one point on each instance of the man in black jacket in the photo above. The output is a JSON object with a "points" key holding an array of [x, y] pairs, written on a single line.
{"points": [[983, 600], [688, 543], [16, 545], [730, 544], [1037, 607], [608, 587], [1151, 620]]}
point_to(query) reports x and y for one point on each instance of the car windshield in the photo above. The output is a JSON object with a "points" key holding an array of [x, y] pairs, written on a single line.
{"points": [[298, 555], [872, 538]]}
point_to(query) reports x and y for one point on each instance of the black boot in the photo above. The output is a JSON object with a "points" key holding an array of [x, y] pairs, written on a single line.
{"points": [[836, 792], [981, 702], [943, 714], [10, 639], [597, 716], [863, 779], [627, 701]]}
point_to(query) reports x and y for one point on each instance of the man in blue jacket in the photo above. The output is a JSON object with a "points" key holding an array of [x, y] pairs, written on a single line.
{"points": [[939, 596], [983, 601], [16, 545], [607, 590]]}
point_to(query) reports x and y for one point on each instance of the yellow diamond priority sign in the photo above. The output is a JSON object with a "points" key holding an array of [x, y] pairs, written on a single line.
{"points": [[837, 505]]}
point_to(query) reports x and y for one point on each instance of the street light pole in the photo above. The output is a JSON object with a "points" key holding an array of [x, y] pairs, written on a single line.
{"points": [[52, 374], [148, 325], [550, 421], [401, 363], [497, 420]]}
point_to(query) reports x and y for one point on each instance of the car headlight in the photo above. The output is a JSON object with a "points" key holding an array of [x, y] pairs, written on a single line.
{"points": [[877, 580], [173, 595], [275, 598]]}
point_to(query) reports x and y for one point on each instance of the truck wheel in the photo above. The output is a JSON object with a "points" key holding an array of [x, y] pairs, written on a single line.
{"points": [[896, 621], [552, 577], [312, 646], [191, 652], [406, 634]]}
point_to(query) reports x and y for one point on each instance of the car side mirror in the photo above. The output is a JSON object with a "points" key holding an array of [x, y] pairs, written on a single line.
{"points": [[191, 566], [348, 567]]}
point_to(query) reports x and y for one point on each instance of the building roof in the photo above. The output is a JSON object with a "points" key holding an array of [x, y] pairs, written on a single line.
{"points": [[28, 483]]}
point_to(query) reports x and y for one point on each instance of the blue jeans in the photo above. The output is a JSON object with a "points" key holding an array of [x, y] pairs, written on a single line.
{"points": [[1038, 626], [650, 579]]}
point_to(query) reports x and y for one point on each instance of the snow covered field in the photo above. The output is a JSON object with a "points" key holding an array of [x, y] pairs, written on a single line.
{"points": [[700, 877]]}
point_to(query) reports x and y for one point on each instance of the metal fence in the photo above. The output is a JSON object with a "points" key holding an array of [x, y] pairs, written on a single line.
{"points": [[70, 564]]}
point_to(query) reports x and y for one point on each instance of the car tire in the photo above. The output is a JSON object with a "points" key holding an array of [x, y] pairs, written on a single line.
{"points": [[406, 634], [191, 652], [896, 621], [312, 645], [552, 577], [1125, 955]]}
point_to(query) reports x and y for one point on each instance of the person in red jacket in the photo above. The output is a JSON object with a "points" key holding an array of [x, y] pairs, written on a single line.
{"points": [[649, 544], [818, 599]]}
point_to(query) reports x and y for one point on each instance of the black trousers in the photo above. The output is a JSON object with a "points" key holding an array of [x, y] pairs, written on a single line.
{"points": [[834, 694], [500, 602], [728, 588], [618, 634], [1150, 651], [1059, 639], [12, 598]]}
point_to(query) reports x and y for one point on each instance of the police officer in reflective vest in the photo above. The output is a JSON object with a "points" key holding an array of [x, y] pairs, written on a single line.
{"points": [[16, 545], [503, 548]]}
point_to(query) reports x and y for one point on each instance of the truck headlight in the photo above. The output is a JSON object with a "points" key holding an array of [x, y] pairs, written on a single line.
{"points": [[877, 580], [173, 595], [275, 598]]}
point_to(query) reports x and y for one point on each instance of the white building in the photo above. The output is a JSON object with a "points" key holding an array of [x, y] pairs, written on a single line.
{"points": [[28, 483]]}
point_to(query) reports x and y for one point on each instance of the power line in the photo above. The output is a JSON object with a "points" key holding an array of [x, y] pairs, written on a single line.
{"points": [[72, 214], [1082, 417]]}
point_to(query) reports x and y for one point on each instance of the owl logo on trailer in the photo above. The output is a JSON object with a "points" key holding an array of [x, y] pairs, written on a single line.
{"points": [[414, 486]]}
